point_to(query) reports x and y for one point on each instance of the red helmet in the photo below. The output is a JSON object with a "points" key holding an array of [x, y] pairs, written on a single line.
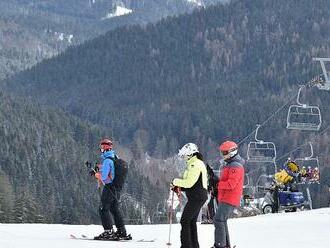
{"points": [[106, 144], [228, 149]]}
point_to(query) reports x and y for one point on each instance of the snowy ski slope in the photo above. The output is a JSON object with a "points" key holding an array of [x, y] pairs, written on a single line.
{"points": [[309, 229]]}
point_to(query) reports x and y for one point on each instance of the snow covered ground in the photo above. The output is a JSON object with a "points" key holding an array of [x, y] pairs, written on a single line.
{"points": [[309, 229], [120, 11], [196, 2]]}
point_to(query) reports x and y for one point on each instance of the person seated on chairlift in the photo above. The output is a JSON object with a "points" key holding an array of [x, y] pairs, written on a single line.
{"points": [[288, 176]]}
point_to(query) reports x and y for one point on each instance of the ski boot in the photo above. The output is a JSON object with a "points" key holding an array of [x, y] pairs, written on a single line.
{"points": [[122, 236], [106, 235], [223, 246]]}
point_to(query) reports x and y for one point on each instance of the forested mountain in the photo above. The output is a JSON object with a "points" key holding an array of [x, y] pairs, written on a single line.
{"points": [[43, 177], [200, 78], [33, 30], [238, 54]]}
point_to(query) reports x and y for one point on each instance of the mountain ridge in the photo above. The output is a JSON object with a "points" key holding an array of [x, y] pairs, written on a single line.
{"points": [[55, 25]]}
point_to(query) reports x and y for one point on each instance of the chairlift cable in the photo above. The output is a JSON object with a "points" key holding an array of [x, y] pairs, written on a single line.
{"points": [[270, 117], [310, 83], [247, 137], [312, 140]]}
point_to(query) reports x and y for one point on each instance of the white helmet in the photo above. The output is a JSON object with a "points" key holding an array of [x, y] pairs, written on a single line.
{"points": [[188, 150]]}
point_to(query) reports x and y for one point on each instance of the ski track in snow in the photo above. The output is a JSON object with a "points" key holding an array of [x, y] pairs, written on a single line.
{"points": [[308, 229]]}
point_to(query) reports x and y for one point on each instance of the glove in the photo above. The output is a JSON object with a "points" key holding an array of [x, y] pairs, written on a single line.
{"points": [[176, 189], [88, 164], [92, 173]]}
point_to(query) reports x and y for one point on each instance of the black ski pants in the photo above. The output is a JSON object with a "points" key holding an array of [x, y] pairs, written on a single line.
{"points": [[110, 208], [221, 233], [189, 237], [210, 208]]}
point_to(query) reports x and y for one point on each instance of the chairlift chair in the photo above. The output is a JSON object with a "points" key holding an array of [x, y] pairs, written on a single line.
{"points": [[326, 85], [259, 151], [313, 160], [263, 182], [309, 161], [304, 117]]}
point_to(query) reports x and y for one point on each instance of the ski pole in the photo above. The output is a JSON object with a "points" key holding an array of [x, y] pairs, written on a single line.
{"points": [[180, 197], [171, 213]]}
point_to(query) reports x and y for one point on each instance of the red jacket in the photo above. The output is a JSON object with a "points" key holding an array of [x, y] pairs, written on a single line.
{"points": [[230, 186]]}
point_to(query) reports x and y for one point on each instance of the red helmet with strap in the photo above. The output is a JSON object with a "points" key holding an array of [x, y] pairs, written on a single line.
{"points": [[106, 144], [228, 149]]}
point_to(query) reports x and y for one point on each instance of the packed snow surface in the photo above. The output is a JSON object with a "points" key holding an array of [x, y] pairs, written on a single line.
{"points": [[308, 229]]}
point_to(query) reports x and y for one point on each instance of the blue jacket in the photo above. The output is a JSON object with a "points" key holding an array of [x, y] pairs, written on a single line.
{"points": [[107, 169]]}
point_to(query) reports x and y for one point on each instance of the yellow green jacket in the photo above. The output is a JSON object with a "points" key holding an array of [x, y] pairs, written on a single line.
{"points": [[195, 168]]}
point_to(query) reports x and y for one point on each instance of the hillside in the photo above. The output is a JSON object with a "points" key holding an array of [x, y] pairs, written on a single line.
{"points": [[202, 78], [43, 177], [35, 30], [235, 56], [253, 232]]}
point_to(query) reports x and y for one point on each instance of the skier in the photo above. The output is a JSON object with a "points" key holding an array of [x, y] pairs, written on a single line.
{"points": [[194, 183], [285, 180], [288, 176], [316, 175], [110, 195], [230, 188]]}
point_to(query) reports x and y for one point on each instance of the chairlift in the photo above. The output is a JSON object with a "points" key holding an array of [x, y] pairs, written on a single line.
{"points": [[304, 117], [259, 151], [326, 85], [311, 165], [312, 173], [247, 181], [264, 181]]}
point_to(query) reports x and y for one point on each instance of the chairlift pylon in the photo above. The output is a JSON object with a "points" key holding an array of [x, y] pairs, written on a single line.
{"points": [[259, 151], [326, 85], [303, 116]]}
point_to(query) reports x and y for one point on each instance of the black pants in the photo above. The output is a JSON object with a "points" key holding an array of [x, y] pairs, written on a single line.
{"points": [[210, 208], [221, 233], [276, 200], [110, 206], [189, 237]]}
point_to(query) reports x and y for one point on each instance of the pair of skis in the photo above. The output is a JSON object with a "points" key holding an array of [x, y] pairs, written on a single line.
{"points": [[85, 237]]}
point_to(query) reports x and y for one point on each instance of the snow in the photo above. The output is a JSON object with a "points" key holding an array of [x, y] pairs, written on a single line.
{"points": [[196, 2], [308, 229], [118, 12], [61, 36]]}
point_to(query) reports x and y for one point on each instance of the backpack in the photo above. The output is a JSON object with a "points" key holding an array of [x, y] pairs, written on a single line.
{"points": [[212, 179], [121, 169]]}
